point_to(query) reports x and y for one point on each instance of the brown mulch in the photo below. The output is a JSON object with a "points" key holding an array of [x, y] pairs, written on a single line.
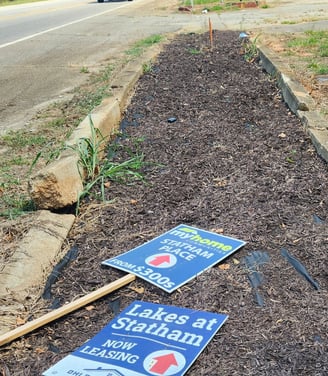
{"points": [[235, 161]]}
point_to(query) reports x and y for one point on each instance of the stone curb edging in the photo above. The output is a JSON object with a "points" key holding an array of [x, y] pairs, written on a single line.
{"points": [[298, 100], [22, 278]]}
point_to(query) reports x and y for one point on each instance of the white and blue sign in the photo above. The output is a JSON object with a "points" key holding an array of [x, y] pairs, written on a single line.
{"points": [[175, 257], [145, 339]]}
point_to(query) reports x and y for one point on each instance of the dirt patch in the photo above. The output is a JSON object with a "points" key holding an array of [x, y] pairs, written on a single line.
{"points": [[235, 161], [298, 60]]}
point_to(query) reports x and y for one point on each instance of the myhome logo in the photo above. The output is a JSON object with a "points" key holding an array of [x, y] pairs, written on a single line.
{"points": [[193, 235]]}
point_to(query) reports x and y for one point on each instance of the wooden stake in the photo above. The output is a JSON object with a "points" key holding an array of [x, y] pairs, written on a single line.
{"points": [[62, 311], [211, 32]]}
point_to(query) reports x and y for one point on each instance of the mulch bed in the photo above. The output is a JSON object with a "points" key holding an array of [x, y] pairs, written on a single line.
{"points": [[235, 161]]}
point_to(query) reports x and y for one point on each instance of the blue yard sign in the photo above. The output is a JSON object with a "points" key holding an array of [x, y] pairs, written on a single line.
{"points": [[175, 257], [145, 339]]}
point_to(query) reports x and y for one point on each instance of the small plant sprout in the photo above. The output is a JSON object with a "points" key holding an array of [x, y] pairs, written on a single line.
{"points": [[291, 156], [147, 67], [84, 70], [89, 151], [194, 51], [96, 172], [250, 50]]}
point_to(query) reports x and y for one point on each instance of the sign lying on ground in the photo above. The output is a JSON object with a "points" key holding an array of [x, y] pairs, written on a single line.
{"points": [[145, 339], [175, 257]]}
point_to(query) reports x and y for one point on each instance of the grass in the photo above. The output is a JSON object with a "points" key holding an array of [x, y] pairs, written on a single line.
{"points": [[312, 47], [139, 47], [289, 22], [317, 68], [22, 139], [16, 206]]}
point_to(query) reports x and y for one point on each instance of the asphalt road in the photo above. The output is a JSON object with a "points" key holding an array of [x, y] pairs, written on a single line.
{"points": [[22, 22], [44, 45]]}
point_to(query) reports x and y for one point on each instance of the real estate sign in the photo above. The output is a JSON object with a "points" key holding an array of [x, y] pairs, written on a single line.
{"points": [[145, 339], [177, 256]]}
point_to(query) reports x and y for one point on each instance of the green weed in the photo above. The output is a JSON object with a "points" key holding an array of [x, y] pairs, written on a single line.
{"points": [[106, 74], [138, 48], [17, 161], [84, 70], [217, 8], [291, 156], [55, 123], [147, 67], [16, 205], [315, 40], [89, 151], [194, 51], [250, 50], [318, 68], [21, 139], [288, 22], [97, 172], [89, 100]]}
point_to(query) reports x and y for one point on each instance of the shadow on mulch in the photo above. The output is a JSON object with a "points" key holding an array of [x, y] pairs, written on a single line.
{"points": [[235, 161]]}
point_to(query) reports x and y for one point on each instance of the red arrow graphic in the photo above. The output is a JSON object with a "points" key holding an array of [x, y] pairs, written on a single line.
{"points": [[158, 260], [163, 363]]}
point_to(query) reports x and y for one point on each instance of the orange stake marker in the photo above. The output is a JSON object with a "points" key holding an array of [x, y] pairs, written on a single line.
{"points": [[211, 32]]}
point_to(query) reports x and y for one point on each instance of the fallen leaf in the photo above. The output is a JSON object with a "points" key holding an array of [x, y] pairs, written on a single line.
{"points": [[217, 230], [40, 350], [20, 321], [224, 266], [139, 290], [220, 182], [8, 237], [90, 308]]}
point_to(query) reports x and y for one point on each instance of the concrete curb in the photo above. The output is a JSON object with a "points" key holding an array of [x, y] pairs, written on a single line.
{"points": [[24, 276], [298, 100]]}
